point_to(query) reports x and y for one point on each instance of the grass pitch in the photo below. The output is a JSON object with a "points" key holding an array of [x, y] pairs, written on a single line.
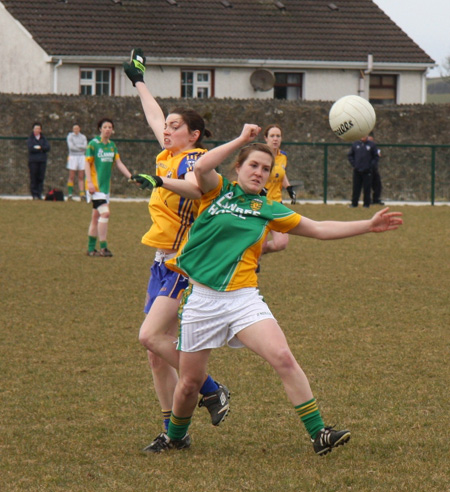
{"points": [[368, 319]]}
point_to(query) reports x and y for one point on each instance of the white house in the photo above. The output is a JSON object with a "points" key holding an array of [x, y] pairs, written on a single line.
{"points": [[289, 49]]}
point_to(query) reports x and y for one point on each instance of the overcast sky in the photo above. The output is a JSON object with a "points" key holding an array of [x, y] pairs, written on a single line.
{"points": [[427, 22]]}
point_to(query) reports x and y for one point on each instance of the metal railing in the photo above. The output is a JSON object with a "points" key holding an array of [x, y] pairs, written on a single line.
{"points": [[320, 170]]}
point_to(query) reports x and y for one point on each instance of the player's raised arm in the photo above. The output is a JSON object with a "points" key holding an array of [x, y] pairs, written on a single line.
{"points": [[204, 170], [135, 70]]}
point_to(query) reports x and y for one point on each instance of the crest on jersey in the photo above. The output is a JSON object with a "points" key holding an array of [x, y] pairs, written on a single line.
{"points": [[256, 204]]}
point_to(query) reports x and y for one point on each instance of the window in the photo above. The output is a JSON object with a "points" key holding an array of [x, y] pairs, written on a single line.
{"points": [[95, 82], [288, 86], [383, 89], [196, 83]]}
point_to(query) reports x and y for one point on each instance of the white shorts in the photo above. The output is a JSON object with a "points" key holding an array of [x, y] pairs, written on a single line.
{"points": [[98, 195], [211, 319], [76, 162]]}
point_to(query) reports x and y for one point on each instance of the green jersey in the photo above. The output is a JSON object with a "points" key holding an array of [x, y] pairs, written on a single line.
{"points": [[101, 158], [225, 242]]}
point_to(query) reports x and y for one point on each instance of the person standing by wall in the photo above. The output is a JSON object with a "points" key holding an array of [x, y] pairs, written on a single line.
{"points": [[38, 148], [377, 187], [363, 156], [77, 144], [101, 154]]}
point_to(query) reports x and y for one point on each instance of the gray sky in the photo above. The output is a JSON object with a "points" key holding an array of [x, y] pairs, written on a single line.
{"points": [[426, 22]]}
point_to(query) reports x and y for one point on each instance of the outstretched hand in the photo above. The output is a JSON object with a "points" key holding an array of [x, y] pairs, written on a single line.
{"points": [[146, 181], [386, 221]]}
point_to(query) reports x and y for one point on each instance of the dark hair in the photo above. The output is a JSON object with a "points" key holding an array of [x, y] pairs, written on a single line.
{"points": [[194, 122], [37, 123], [104, 120], [248, 149], [269, 127]]}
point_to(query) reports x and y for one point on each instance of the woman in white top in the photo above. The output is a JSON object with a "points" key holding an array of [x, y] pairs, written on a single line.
{"points": [[77, 144]]}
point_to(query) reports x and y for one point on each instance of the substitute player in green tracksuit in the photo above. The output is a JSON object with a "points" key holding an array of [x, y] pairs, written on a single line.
{"points": [[223, 305]]}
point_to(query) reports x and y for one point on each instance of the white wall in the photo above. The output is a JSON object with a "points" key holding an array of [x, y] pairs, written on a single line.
{"points": [[23, 62], [161, 81], [164, 81], [235, 83], [329, 85], [410, 88], [68, 79]]}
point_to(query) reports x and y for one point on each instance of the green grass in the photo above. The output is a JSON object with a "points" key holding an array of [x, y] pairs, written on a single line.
{"points": [[367, 318]]}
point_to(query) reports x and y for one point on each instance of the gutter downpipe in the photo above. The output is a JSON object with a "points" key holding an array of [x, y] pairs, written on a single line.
{"points": [[55, 76], [362, 78]]}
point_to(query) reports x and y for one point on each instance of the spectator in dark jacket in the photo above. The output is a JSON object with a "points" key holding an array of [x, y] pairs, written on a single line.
{"points": [[363, 157], [38, 148]]}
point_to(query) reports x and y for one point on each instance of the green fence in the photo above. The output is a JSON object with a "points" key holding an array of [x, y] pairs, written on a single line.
{"points": [[320, 170]]}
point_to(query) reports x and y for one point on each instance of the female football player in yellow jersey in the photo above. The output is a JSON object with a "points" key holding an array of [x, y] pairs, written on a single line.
{"points": [[180, 136], [222, 304], [278, 180]]}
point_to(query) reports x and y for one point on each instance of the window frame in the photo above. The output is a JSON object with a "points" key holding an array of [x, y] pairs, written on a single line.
{"points": [[196, 85], [94, 70], [298, 85], [383, 86]]}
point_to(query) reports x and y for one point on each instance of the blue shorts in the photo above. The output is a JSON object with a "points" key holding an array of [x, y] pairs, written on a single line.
{"points": [[164, 282]]}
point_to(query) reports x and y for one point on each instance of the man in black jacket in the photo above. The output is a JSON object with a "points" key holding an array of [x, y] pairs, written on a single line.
{"points": [[363, 157], [38, 148]]}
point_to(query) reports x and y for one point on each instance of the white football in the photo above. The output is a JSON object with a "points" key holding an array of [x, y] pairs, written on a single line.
{"points": [[351, 118]]}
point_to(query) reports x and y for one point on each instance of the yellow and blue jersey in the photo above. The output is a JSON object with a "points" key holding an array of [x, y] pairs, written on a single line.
{"points": [[172, 215], [225, 242], [274, 184]]}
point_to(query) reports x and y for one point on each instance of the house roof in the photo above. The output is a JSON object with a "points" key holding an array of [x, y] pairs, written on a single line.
{"points": [[308, 30]]}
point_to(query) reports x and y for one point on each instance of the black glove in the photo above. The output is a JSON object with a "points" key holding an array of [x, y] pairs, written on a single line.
{"points": [[136, 68], [146, 181], [263, 192], [292, 195]]}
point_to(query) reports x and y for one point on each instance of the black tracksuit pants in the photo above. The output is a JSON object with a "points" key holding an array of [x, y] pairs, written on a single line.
{"points": [[37, 176], [361, 180]]}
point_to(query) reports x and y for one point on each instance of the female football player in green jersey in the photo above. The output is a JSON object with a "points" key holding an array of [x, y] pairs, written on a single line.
{"points": [[101, 154], [222, 305], [180, 136]]}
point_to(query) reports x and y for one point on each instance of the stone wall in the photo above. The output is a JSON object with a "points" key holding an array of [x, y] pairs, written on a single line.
{"points": [[405, 169]]}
